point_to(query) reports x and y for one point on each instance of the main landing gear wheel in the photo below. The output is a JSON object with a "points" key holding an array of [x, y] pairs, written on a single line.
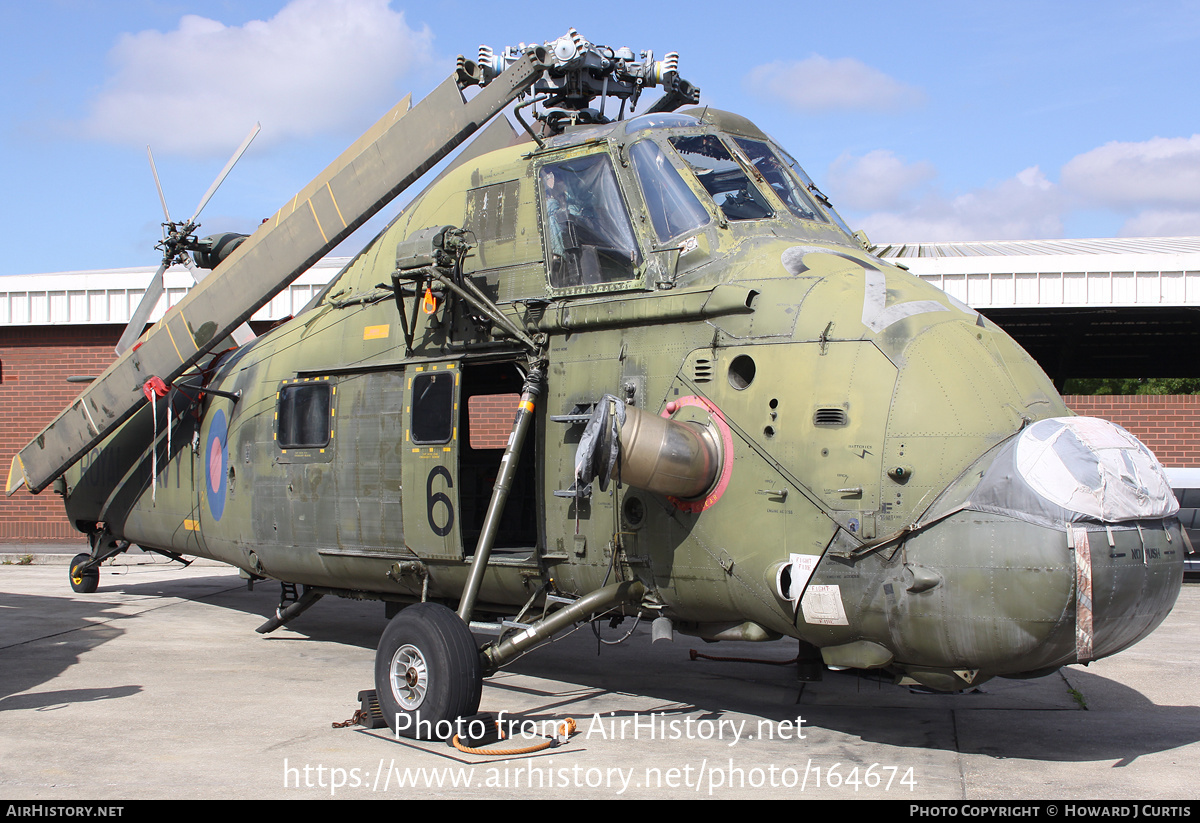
{"points": [[427, 672], [84, 581]]}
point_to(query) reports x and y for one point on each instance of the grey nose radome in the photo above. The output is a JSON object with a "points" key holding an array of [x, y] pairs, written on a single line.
{"points": [[1060, 546]]}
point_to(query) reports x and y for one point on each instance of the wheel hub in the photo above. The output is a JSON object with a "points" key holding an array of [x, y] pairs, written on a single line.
{"points": [[409, 677]]}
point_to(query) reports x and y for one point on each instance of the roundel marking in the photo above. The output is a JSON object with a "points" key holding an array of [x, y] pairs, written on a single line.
{"points": [[216, 464]]}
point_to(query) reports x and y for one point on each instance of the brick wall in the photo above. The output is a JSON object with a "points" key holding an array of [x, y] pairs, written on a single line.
{"points": [[1168, 424], [491, 419], [34, 364]]}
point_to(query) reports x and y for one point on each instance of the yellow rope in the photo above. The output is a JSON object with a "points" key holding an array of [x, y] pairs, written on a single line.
{"points": [[568, 729]]}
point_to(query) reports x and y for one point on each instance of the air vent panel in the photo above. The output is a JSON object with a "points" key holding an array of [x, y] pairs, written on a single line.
{"points": [[830, 417]]}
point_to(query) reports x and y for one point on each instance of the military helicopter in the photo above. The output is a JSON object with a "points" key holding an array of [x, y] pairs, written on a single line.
{"points": [[721, 413]]}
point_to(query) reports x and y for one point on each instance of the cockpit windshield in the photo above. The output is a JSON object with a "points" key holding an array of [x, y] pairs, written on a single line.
{"points": [[589, 236], [812, 187], [785, 186], [722, 177], [674, 209]]}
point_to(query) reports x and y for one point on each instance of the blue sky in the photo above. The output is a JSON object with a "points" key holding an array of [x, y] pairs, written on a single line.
{"points": [[922, 121]]}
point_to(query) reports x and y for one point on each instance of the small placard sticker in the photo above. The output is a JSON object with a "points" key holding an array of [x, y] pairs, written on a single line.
{"points": [[822, 606]]}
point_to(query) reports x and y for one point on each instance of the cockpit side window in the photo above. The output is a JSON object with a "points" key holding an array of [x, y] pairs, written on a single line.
{"points": [[722, 177], [674, 209], [783, 184], [589, 237]]}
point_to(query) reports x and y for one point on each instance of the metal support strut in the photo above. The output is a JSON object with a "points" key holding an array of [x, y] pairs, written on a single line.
{"points": [[286, 612], [627, 591], [508, 466]]}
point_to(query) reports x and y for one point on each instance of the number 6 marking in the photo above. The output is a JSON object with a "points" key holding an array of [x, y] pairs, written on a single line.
{"points": [[432, 500]]}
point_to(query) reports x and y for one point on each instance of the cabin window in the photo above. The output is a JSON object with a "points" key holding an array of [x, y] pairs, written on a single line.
{"points": [[722, 177], [305, 419], [674, 209], [433, 408], [492, 211], [589, 237], [783, 184]]}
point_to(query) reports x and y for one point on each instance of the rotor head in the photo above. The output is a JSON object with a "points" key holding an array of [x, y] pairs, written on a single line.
{"points": [[580, 72]]}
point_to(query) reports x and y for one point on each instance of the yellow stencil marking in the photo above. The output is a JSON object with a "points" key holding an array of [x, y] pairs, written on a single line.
{"points": [[317, 221], [172, 338], [192, 525], [376, 332], [189, 330], [336, 207]]}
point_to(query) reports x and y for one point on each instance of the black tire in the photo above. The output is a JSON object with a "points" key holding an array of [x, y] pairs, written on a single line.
{"points": [[84, 581], [427, 672]]}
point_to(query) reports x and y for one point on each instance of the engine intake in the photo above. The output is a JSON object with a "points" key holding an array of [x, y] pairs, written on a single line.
{"points": [[647, 451]]}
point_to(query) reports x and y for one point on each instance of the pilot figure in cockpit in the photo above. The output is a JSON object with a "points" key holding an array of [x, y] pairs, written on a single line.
{"points": [[563, 211]]}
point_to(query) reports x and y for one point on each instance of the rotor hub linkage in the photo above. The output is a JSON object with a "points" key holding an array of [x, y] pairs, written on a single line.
{"points": [[177, 241], [579, 72]]}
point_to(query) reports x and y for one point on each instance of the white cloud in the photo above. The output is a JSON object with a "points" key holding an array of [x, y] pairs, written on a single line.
{"points": [[818, 84], [877, 180], [1154, 186], [1160, 172], [1163, 223], [1026, 206], [317, 66]]}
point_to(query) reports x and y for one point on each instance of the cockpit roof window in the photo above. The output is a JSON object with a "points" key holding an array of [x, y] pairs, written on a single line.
{"points": [[575, 135], [659, 120], [674, 208], [722, 177], [785, 186]]}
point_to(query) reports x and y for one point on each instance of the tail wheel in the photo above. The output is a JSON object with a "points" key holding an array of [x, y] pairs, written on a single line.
{"points": [[427, 672], [84, 581]]}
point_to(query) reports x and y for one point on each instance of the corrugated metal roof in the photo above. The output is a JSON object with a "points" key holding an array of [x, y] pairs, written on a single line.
{"points": [[1100, 245], [1110, 272], [111, 295]]}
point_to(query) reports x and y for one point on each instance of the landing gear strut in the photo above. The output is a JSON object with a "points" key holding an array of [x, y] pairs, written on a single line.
{"points": [[103, 544], [85, 566]]}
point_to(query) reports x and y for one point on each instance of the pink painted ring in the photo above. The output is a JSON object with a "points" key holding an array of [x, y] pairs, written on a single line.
{"points": [[726, 448]]}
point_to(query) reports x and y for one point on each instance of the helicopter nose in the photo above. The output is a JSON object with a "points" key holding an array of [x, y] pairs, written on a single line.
{"points": [[1059, 547]]}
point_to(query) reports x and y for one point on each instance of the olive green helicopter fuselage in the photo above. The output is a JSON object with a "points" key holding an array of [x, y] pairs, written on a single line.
{"points": [[854, 466]]}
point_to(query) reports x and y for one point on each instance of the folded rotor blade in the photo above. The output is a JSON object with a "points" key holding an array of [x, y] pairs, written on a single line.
{"points": [[161, 197], [237, 155], [393, 154], [243, 334], [141, 315]]}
